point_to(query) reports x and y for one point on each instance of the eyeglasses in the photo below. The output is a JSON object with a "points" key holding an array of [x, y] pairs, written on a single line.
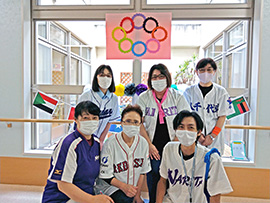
{"points": [[208, 70], [130, 122], [105, 75], [160, 76]]}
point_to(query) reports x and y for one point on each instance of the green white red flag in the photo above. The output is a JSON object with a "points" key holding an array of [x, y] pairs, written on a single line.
{"points": [[45, 102]]}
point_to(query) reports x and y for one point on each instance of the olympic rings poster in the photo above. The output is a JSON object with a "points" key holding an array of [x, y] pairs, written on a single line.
{"points": [[138, 35]]}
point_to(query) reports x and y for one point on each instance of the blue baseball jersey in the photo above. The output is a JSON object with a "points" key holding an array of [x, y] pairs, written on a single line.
{"points": [[109, 108], [73, 161]]}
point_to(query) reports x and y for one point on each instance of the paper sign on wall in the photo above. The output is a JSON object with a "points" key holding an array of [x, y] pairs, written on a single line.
{"points": [[238, 150], [138, 35]]}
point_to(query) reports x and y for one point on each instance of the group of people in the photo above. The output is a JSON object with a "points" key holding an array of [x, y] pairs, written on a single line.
{"points": [[166, 137]]}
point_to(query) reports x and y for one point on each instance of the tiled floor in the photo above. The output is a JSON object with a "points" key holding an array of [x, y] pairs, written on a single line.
{"points": [[32, 194]]}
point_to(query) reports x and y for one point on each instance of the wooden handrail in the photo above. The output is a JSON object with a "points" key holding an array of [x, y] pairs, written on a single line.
{"points": [[255, 127], [40, 120], [248, 127], [35, 120]]}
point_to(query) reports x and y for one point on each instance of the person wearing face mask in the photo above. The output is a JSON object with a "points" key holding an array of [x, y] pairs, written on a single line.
{"points": [[102, 95], [159, 104], [184, 166], [212, 102], [125, 160], [75, 161]]}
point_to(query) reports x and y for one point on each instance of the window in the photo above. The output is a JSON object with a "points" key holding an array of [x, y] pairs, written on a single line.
{"points": [[218, 46], [59, 47], [196, 1], [75, 46], [42, 29], [236, 35], [57, 65], [233, 73], [58, 69], [57, 35], [82, 2]]}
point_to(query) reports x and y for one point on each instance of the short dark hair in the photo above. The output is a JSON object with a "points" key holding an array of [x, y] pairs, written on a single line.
{"points": [[163, 70], [136, 108], [88, 107], [185, 113], [203, 62], [100, 69]]}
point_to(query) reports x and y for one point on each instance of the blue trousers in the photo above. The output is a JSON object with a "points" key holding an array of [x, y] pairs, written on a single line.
{"points": [[152, 180], [120, 197]]}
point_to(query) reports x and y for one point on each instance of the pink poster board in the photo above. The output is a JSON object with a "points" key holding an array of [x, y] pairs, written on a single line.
{"points": [[138, 35]]}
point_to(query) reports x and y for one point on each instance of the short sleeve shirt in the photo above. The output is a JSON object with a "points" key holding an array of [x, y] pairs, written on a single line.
{"points": [[171, 168], [73, 161]]}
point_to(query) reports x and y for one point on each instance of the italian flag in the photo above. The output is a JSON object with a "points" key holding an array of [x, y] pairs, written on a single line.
{"points": [[45, 102]]}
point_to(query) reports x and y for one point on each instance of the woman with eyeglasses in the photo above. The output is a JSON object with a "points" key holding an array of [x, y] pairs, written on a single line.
{"points": [[102, 95], [194, 173], [212, 102], [159, 104], [125, 160]]}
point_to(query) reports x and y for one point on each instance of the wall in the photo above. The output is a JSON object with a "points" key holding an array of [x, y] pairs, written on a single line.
{"points": [[11, 80], [263, 111]]}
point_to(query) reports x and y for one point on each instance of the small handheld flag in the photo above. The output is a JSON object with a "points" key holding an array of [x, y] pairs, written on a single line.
{"points": [[71, 113], [240, 106], [45, 102]]}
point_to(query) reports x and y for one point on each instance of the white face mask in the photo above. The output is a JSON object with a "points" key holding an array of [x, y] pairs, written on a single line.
{"points": [[104, 82], [186, 137], [205, 77], [159, 85], [131, 130], [88, 127]]}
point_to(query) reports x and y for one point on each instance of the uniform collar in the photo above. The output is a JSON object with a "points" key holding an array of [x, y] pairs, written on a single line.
{"points": [[104, 96], [124, 146]]}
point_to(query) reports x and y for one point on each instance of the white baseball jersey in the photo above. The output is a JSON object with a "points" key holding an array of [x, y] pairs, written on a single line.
{"points": [[172, 105], [216, 103], [171, 168], [109, 108], [123, 162]]}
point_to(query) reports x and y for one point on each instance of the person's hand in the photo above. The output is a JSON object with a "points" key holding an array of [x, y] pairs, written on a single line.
{"points": [[102, 199], [130, 190], [208, 141], [138, 199], [201, 139], [153, 152]]}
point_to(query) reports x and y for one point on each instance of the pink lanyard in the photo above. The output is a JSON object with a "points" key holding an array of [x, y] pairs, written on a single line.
{"points": [[160, 110]]}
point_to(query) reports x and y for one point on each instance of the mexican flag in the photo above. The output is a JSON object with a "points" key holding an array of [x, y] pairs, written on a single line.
{"points": [[45, 102]]}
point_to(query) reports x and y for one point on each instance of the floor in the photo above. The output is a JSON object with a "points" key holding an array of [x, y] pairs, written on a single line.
{"points": [[33, 194]]}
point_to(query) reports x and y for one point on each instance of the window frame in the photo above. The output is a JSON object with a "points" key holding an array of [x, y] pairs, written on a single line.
{"points": [[226, 52], [64, 89], [179, 12]]}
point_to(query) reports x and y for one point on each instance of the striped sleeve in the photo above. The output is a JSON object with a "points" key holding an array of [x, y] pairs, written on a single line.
{"points": [[64, 160]]}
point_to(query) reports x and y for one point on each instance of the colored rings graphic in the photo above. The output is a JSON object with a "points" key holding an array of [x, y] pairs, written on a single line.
{"points": [[134, 16], [146, 46], [118, 28], [120, 42], [158, 45], [165, 33], [132, 24], [146, 20], [133, 47]]}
